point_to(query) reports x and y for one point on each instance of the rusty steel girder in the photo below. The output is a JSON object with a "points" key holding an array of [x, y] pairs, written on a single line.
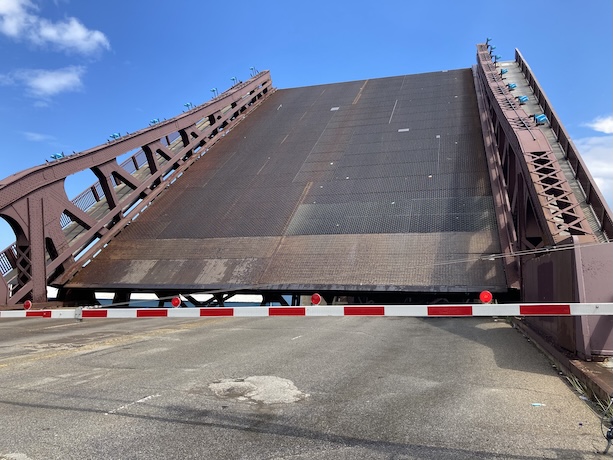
{"points": [[34, 201], [544, 209], [593, 195], [546, 200]]}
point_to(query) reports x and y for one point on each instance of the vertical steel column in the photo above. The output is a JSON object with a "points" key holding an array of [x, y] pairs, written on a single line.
{"points": [[36, 236]]}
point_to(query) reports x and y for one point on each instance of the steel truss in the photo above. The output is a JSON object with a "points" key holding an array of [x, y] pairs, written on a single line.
{"points": [[35, 204], [536, 205]]}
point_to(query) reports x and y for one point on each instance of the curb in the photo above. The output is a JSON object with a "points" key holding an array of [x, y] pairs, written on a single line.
{"points": [[597, 379]]}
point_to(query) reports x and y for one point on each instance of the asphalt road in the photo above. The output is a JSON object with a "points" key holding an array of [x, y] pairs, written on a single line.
{"points": [[284, 388]]}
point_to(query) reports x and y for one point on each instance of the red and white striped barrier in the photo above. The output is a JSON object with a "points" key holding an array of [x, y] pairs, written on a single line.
{"points": [[528, 309]]}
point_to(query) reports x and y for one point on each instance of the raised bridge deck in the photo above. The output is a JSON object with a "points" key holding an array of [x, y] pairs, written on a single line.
{"points": [[368, 185]]}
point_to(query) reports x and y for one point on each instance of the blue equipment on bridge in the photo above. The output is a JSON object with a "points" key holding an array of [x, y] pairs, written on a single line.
{"points": [[540, 119]]}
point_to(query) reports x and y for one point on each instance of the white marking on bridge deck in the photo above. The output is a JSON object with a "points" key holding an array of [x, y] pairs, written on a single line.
{"points": [[393, 110]]}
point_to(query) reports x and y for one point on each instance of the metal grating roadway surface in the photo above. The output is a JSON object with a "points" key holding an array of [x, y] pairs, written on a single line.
{"points": [[368, 185]]}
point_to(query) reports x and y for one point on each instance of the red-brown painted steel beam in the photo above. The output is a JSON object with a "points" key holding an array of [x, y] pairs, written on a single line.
{"points": [[544, 204], [594, 197], [34, 200], [18, 185], [506, 230]]}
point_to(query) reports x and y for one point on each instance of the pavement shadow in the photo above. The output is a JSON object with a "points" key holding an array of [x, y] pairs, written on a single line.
{"points": [[262, 424], [509, 346]]}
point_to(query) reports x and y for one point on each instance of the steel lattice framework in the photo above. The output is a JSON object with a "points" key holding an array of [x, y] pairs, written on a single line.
{"points": [[35, 204], [544, 194], [544, 208]]}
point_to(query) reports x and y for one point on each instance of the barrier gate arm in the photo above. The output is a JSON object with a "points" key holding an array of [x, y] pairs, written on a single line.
{"points": [[420, 311]]}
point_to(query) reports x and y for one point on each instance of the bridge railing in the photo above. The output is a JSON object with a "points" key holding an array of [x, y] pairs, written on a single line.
{"points": [[5, 259], [593, 195], [84, 201], [544, 206]]}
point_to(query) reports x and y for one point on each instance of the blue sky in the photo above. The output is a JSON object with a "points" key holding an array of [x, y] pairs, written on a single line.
{"points": [[73, 72]]}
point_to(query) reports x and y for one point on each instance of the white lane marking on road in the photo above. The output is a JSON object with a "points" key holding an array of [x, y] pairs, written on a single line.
{"points": [[61, 325], [125, 406], [297, 337]]}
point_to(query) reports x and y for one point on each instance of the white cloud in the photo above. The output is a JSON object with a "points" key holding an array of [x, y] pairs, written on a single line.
{"points": [[46, 83], [37, 137], [18, 21], [602, 124], [597, 152], [71, 34], [6, 80], [13, 16], [43, 84], [41, 104]]}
